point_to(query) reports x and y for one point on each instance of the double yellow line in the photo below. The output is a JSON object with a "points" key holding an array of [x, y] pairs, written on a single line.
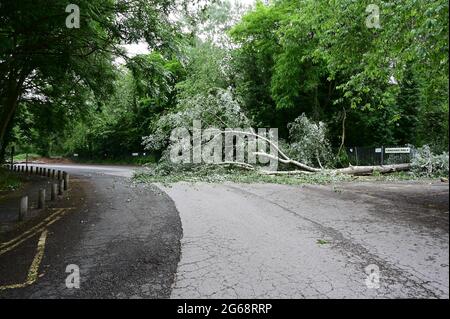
{"points": [[34, 268], [13, 243]]}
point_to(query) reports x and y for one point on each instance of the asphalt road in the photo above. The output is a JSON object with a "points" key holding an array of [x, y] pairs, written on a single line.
{"points": [[278, 241], [125, 239], [237, 241]]}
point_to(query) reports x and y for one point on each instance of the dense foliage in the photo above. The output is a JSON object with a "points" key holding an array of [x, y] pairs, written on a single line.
{"points": [[425, 163], [8, 181], [312, 69], [50, 74]]}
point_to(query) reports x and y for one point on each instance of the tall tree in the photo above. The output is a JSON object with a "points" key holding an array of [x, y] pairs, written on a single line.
{"points": [[323, 57], [38, 51], [408, 103]]}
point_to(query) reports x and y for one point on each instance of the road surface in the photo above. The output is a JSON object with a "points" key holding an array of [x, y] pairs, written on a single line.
{"points": [[124, 238], [352, 240], [277, 241]]}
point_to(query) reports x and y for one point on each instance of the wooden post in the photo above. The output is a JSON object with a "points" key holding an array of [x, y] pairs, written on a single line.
{"points": [[23, 209], [53, 174], [59, 175], [41, 199], [61, 187], [66, 181], [54, 191]]}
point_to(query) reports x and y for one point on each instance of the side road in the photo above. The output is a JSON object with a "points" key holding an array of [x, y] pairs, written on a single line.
{"points": [[123, 237]]}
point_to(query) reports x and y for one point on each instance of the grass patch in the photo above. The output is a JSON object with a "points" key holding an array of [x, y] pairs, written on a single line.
{"points": [[23, 157], [8, 181], [125, 161]]}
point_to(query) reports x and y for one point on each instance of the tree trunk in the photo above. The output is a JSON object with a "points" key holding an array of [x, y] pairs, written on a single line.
{"points": [[6, 140], [352, 170], [9, 104], [344, 117], [361, 170]]}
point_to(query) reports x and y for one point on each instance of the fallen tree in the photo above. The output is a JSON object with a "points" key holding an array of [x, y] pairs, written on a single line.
{"points": [[306, 169], [277, 155], [352, 170], [382, 169]]}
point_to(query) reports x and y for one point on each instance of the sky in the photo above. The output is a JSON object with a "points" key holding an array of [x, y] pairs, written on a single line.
{"points": [[142, 48]]}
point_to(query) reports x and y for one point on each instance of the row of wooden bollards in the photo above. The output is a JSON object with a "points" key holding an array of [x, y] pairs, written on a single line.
{"points": [[57, 189]]}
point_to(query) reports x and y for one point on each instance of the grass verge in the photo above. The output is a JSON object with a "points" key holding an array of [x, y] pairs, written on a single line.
{"points": [[23, 157], [138, 161], [8, 181]]}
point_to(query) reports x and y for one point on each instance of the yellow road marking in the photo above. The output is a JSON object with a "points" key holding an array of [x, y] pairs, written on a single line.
{"points": [[34, 268], [41, 227], [32, 229], [5, 250]]}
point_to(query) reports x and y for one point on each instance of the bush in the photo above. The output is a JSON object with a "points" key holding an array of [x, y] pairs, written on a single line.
{"points": [[342, 159], [8, 181], [309, 143], [425, 163]]}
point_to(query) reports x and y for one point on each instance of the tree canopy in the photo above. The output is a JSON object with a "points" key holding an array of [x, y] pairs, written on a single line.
{"points": [[284, 63], [43, 62]]}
